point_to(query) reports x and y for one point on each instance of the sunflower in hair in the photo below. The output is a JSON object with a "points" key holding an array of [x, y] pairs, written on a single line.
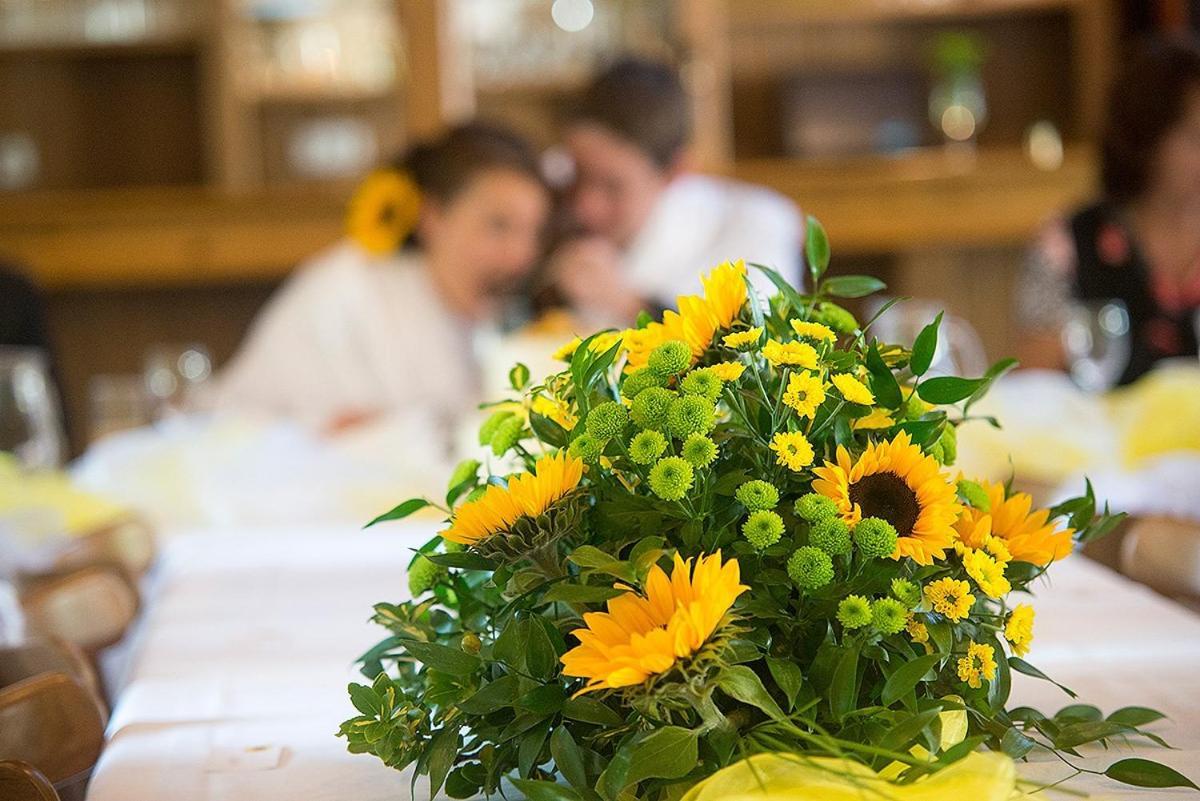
{"points": [[383, 211]]}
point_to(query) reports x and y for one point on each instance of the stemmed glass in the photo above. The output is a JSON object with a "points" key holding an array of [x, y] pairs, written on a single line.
{"points": [[1096, 342], [30, 423]]}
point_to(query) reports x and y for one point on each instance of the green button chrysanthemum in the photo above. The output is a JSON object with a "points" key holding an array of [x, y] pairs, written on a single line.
{"points": [[507, 434], [636, 381], [835, 317], [671, 478], [757, 495], [690, 414], [906, 592], [831, 536], [649, 409], [670, 358], [762, 529], [975, 495], [488, 429], [699, 450], [702, 382], [587, 448], [854, 612], [646, 446], [815, 508], [422, 575], [888, 615], [875, 537], [607, 420], [810, 568]]}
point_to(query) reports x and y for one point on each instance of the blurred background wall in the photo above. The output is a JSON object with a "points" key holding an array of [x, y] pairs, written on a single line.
{"points": [[165, 163]]}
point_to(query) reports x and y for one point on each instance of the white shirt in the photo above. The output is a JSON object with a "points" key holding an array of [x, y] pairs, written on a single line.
{"points": [[353, 333], [701, 221]]}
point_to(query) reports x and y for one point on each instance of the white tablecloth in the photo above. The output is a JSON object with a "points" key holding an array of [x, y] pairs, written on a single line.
{"points": [[237, 681]]}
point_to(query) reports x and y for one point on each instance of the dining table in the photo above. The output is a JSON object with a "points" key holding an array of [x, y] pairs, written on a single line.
{"points": [[235, 678]]}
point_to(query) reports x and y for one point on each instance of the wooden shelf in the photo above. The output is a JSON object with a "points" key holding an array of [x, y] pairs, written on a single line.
{"points": [[826, 12]]}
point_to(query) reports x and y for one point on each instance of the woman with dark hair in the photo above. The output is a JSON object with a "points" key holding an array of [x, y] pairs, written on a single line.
{"points": [[383, 321], [1140, 243]]}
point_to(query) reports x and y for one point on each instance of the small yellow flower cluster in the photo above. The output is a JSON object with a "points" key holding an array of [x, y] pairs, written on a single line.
{"points": [[791, 354], [979, 664], [950, 597], [792, 450], [1019, 629], [805, 392]]}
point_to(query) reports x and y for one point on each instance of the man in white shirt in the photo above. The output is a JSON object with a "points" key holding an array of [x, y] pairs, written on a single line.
{"points": [[647, 226]]}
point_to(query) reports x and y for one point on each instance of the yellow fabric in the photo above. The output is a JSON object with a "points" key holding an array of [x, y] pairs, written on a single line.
{"points": [[81, 512], [1159, 414], [786, 777]]}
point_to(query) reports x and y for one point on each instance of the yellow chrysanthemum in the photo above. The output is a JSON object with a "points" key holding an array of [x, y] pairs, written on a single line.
{"points": [[1019, 629], [792, 354], [805, 392], [556, 409], [740, 340], [383, 211], [950, 597], [987, 573], [699, 317], [527, 495], [792, 450], [979, 663], [852, 389], [644, 635], [876, 420], [897, 482], [728, 371], [1027, 535], [814, 331], [916, 629]]}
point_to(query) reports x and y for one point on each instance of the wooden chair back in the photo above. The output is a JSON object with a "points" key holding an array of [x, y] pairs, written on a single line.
{"points": [[20, 781], [128, 542], [20, 662], [53, 723], [1164, 553], [91, 607]]}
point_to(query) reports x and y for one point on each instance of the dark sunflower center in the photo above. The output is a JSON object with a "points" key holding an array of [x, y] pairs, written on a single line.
{"points": [[886, 496]]}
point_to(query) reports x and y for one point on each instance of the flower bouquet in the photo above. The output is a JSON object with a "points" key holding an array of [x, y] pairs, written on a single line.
{"points": [[726, 551]]}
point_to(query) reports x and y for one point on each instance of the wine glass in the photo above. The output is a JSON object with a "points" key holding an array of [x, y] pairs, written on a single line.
{"points": [[1096, 343], [30, 423]]}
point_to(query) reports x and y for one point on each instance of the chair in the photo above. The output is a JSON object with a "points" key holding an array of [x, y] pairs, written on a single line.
{"points": [[20, 662], [91, 607], [53, 723], [128, 542], [1164, 554], [20, 781]]}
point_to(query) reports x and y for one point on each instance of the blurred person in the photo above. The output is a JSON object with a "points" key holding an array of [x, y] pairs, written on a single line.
{"points": [[646, 225], [384, 320], [1140, 242]]}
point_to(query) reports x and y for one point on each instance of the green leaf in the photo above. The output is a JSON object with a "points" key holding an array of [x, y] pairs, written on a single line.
{"points": [[580, 593], [1088, 731], [589, 710], [948, 389], [592, 557], [1021, 666], [510, 645], [883, 380], [924, 347], [441, 755], [454, 661], [843, 688], [995, 371], [1136, 715], [547, 430], [908, 729], [365, 699], [816, 248], [1016, 744], [743, 684], [567, 758], [1078, 712], [852, 286], [545, 700], [788, 677], [529, 752], [545, 791], [540, 658], [466, 560], [1147, 773], [788, 292], [402, 511], [492, 696], [666, 753], [518, 377], [906, 677]]}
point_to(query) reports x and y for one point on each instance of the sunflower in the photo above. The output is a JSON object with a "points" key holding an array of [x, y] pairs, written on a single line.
{"points": [[645, 635], [898, 483], [527, 495], [1028, 535], [383, 211], [699, 316]]}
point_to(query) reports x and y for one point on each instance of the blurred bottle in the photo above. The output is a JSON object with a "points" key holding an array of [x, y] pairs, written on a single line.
{"points": [[30, 425], [1096, 343]]}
